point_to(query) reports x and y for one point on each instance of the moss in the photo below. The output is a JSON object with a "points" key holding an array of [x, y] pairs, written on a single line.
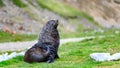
{"points": [[1, 3], [19, 3]]}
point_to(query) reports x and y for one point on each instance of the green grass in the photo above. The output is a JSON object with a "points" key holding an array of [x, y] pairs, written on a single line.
{"points": [[7, 37], [75, 55], [19, 3], [1, 3], [11, 61], [83, 33]]}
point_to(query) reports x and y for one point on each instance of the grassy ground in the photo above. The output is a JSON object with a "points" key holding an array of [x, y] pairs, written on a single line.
{"points": [[82, 33], [7, 37], [75, 55]]}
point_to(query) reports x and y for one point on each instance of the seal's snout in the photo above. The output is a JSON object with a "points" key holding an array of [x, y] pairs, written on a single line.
{"points": [[56, 23], [52, 24]]}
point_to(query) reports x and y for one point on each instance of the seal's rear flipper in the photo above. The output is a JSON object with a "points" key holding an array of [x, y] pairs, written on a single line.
{"points": [[50, 59]]}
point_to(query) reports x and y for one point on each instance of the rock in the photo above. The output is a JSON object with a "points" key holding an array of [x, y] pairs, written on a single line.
{"points": [[21, 28], [7, 29], [105, 56], [117, 1], [5, 56], [115, 56], [100, 56]]}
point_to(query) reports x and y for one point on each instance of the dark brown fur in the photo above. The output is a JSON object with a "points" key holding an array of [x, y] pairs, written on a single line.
{"points": [[36, 54], [47, 47], [49, 35]]}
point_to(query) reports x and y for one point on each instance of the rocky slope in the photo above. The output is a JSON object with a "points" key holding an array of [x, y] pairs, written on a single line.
{"points": [[30, 19], [105, 12]]}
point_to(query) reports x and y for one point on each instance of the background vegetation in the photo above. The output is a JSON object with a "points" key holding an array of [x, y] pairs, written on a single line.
{"points": [[7, 37], [19, 3], [64, 10], [1, 3]]}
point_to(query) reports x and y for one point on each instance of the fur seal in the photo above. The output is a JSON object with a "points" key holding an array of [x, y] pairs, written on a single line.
{"points": [[49, 35], [45, 50]]}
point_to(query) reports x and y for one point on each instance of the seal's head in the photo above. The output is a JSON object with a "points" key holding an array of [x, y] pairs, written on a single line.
{"points": [[52, 24]]}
